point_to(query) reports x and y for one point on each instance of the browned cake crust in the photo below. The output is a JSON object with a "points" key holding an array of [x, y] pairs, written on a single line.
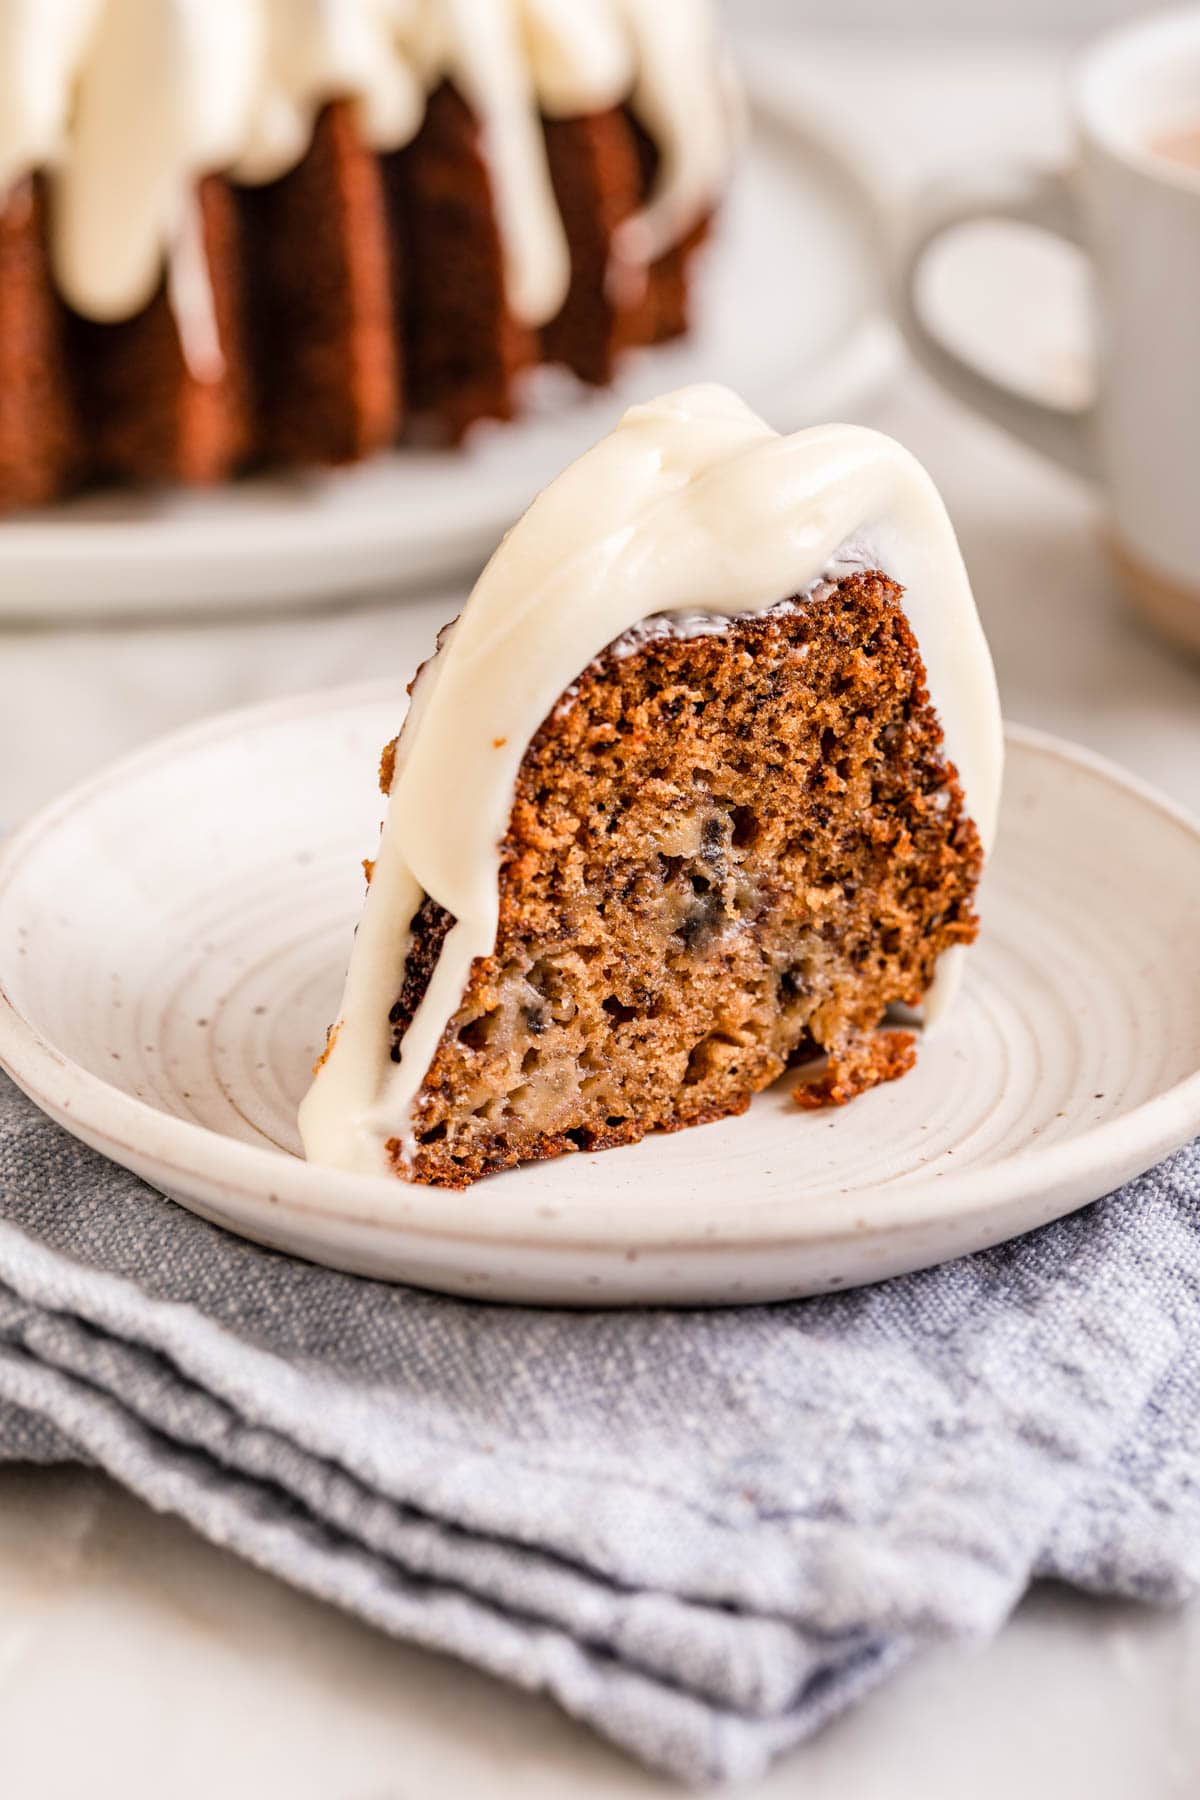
{"points": [[147, 416], [463, 347], [597, 183], [322, 302], [727, 854], [664, 306], [603, 167], [355, 298], [40, 449]]}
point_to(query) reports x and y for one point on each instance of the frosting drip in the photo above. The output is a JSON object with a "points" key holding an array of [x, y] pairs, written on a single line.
{"points": [[312, 51], [677, 53], [151, 114], [692, 506], [41, 43], [128, 102]]}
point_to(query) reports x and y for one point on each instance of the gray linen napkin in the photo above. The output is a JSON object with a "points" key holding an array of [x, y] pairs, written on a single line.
{"points": [[703, 1532]]}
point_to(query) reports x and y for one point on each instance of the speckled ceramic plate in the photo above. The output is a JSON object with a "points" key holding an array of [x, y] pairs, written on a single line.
{"points": [[173, 938], [801, 346]]}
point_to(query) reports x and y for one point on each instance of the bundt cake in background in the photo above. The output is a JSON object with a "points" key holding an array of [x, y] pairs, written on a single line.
{"points": [[292, 232], [672, 810]]}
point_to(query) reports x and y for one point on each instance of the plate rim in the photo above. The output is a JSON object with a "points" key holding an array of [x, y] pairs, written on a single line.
{"points": [[866, 356], [188, 1155]]}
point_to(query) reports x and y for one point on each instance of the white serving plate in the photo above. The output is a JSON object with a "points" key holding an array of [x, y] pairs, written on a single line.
{"points": [[789, 312], [173, 937]]}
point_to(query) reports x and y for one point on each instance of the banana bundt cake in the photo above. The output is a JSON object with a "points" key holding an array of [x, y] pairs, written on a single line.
{"points": [[697, 787], [291, 232]]}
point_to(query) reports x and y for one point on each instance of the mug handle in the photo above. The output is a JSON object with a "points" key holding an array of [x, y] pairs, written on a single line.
{"points": [[1038, 197]]}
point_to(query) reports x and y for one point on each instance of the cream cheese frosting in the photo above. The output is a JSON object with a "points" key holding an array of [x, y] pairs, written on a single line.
{"points": [[692, 508], [41, 45], [127, 103]]}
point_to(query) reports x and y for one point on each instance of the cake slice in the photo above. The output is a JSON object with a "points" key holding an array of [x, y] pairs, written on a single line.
{"points": [[696, 789]]}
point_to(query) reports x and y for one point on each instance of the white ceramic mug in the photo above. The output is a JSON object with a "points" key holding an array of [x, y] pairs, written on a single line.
{"points": [[1136, 213]]}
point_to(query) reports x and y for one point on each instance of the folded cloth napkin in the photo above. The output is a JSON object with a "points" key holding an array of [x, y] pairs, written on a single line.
{"points": [[703, 1532]]}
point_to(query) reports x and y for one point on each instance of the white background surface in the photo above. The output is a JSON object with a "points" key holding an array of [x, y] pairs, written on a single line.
{"points": [[136, 1661], [905, 18]]}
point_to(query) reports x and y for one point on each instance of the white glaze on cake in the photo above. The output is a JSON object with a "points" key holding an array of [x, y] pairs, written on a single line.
{"points": [[127, 103], [41, 47], [691, 508]]}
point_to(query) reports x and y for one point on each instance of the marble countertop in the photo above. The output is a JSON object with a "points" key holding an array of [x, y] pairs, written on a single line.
{"points": [[180, 1671]]}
